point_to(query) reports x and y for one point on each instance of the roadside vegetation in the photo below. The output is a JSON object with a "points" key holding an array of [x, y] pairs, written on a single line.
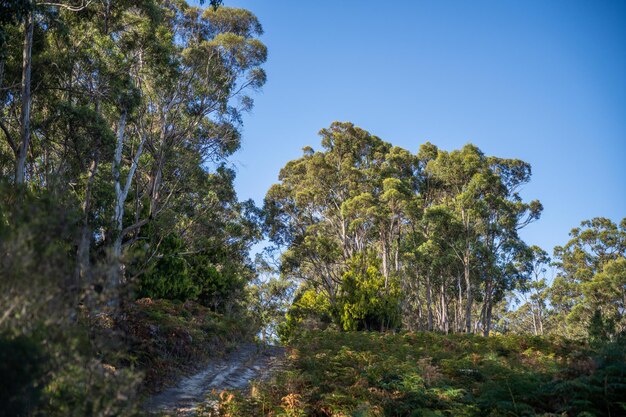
{"points": [[335, 373]]}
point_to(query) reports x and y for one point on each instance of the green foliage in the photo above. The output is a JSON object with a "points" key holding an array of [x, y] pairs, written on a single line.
{"points": [[368, 300], [442, 225], [599, 329], [427, 374], [169, 277], [57, 361], [310, 308], [125, 193], [587, 295], [269, 299], [201, 251]]}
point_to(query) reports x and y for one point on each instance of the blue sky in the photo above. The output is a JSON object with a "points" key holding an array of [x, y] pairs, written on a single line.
{"points": [[542, 81]]}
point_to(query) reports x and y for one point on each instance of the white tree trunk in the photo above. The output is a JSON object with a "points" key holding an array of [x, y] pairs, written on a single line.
{"points": [[22, 151]]}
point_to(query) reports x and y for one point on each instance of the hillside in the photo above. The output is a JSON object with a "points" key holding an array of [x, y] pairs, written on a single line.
{"points": [[369, 374]]}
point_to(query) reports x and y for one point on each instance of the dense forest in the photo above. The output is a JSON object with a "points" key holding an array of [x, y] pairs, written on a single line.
{"points": [[397, 279]]}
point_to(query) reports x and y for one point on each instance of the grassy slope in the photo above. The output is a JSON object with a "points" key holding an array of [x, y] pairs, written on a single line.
{"points": [[167, 339], [425, 374]]}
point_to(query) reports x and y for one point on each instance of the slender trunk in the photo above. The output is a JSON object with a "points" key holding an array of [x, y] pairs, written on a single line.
{"points": [[84, 246], [468, 293], [487, 307], [444, 309], [385, 257], [455, 325], [118, 217], [459, 304], [419, 301], [429, 303], [488, 312], [20, 162], [158, 171], [117, 163], [397, 256], [344, 239]]}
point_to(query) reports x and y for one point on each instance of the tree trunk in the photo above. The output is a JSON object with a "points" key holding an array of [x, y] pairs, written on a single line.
{"points": [[540, 319], [116, 168], [488, 313], [22, 151], [468, 293], [84, 246], [385, 256], [444, 309], [429, 303], [118, 216], [487, 308], [532, 311], [158, 170], [459, 306], [419, 302]]}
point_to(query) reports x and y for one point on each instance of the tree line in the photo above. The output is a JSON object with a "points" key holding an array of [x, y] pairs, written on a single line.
{"points": [[381, 238]]}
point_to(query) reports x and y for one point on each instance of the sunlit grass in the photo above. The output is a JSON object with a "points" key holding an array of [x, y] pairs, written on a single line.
{"points": [[335, 373]]}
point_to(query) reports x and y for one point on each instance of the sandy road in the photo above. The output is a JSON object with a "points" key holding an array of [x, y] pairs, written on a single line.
{"points": [[234, 371]]}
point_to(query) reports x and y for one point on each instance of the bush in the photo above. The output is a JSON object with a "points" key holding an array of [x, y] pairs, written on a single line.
{"points": [[169, 277], [310, 309], [369, 301], [22, 367]]}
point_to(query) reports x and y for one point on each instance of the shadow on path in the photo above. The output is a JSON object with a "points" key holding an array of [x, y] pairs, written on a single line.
{"points": [[235, 371]]}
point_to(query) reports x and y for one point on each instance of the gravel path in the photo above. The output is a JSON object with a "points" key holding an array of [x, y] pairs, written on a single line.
{"points": [[234, 371]]}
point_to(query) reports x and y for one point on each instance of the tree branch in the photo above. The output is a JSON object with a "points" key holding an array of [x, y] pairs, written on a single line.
{"points": [[67, 6], [9, 138]]}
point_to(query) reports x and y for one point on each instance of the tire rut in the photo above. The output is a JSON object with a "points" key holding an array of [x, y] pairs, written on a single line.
{"points": [[235, 371]]}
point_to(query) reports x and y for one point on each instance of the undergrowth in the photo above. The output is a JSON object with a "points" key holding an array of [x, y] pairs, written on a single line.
{"points": [[170, 338], [365, 374]]}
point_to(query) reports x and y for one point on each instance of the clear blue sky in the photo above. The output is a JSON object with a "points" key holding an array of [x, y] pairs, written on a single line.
{"points": [[543, 81]]}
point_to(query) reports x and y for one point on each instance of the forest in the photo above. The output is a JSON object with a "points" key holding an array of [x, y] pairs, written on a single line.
{"points": [[397, 280]]}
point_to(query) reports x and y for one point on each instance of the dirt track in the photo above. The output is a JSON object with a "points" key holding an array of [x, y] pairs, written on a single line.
{"points": [[234, 371]]}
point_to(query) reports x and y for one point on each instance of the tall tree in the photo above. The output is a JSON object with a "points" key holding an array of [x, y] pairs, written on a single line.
{"points": [[589, 282], [443, 225]]}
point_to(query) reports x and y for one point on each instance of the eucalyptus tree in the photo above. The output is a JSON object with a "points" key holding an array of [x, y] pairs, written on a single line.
{"points": [[335, 204], [129, 88], [589, 288], [197, 249], [504, 214], [453, 173], [482, 195], [443, 225], [193, 82], [28, 12], [78, 80], [319, 209], [117, 119], [536, 300]]}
